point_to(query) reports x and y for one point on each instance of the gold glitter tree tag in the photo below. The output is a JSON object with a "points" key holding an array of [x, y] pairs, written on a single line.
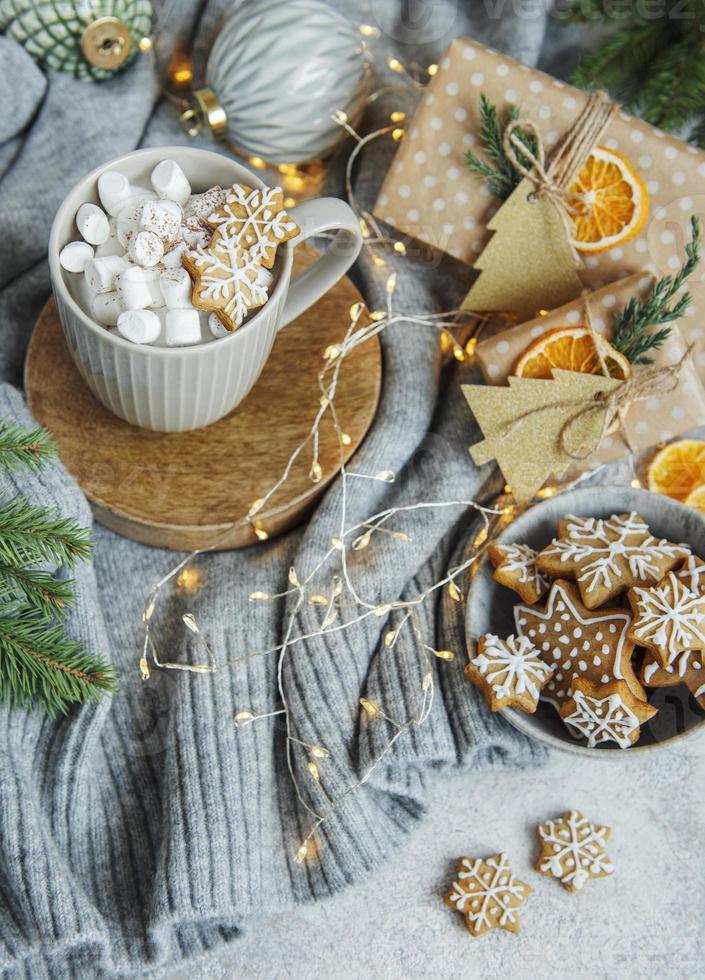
{"points": [[528, 265], [534, 429]]}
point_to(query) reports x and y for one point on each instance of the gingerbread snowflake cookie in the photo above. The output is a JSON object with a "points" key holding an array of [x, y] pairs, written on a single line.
{"points": [[255, 218], [602, 713], [668, 618], [573, 850], [687, 668], [510, 672], [488, 894], [584, 643], [515, 567], [608, 556], [227, 280]]}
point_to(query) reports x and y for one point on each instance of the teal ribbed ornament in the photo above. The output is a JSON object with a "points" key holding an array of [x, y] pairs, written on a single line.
{"points": [[87, 38]]}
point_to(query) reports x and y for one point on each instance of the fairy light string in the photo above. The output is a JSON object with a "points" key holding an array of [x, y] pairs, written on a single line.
{"points": [[329, 585]]}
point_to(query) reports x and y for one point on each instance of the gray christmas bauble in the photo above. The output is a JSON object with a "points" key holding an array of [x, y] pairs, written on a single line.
{"points": [[279, 70], [86, 38]]}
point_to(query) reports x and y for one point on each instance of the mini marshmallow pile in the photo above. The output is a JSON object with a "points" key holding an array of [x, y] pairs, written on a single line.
{"points": [[130, 257]]}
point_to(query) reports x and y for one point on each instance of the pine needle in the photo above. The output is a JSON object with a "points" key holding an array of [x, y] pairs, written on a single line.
{"points": [[500, 173], [31, 535], [634, 333], [40, 589], [24, 447], [40, 664]]}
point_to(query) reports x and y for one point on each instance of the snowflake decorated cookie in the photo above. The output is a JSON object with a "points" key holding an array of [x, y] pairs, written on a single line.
{"points": [[687, 668], [227, 280], [668, 618], [608, 556], [515, 567], [255, 218], [592, 644], [510, 672], [692, 574], [602, 713], [573, 850], [488, 894]]}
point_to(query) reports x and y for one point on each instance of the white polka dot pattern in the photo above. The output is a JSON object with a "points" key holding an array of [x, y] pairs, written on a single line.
{"points": [[431, 163]]}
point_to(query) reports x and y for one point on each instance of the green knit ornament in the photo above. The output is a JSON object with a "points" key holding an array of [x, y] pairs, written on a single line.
{"points": [[89, 39]]}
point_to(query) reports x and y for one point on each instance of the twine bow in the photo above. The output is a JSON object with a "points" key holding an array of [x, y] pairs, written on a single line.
{"points": [[555, 177]]}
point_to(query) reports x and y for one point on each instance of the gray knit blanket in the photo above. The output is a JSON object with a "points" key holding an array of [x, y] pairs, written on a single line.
{"points": [[147, 829]]}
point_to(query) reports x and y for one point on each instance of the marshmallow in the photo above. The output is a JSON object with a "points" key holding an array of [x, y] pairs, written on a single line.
{"points": [[163, 218], [216, 327], [138, 288], [106, 308], [114, 191], [182, 327], [201, 206], [176, 288], [93, 224], [194, 234], [112, 246], [145, 248], [128, 220], [101, 272], [139, 326], [169, 181], [172, 258], [74, 256]]}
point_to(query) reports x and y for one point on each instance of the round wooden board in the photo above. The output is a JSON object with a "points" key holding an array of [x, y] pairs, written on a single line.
{"points": [[183, 490]]}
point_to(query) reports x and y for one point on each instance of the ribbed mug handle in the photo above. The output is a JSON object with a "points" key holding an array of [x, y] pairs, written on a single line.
{"points": [[315, 217]]}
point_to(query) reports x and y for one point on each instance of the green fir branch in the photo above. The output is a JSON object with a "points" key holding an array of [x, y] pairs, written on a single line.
{"points": [[500, 173], [674, 89], [634, 333], [621, 61], [40, 664], [24, 447], [47, 593], [31, 535]]}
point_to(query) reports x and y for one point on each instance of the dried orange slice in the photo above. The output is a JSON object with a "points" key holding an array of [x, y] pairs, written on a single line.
{"points": [[616, 202], [696, 499], [678, 469], [572, 349]]}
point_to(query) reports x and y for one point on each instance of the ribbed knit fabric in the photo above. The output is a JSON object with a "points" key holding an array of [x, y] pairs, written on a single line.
{"points": [[147, 829]]}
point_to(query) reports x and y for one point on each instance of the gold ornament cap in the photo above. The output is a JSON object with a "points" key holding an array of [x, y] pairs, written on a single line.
{"points": [[204, 109], [106, 43]]}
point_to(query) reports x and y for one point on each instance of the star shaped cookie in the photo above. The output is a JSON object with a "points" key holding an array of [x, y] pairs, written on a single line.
{"points": [[510, 672], [668, 618], [581, 642], [488, 894], [255, 219], [692, 573], [688, 668], [606, 713], [515, 567], [608, 556], [573, 850]]}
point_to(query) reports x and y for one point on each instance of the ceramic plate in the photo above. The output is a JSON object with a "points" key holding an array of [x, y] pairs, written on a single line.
{"points": [[490, 608]]}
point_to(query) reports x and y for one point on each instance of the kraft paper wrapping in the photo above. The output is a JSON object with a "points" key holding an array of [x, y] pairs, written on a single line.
{"points": [[660, 418], [430, 194]]}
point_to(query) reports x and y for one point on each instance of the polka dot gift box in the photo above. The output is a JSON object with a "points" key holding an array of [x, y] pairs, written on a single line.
{"points": [[660, 417], [430, 194]]}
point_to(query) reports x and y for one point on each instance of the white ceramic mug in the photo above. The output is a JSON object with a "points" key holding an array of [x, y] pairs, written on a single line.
{"points": [[175, 389]]}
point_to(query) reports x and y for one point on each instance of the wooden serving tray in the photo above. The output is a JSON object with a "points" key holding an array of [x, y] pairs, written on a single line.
{"points": [[182, 490]]}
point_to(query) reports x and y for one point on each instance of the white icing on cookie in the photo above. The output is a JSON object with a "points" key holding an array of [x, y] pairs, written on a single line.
{"points": [[521, 559], [574, 850], [512, 666], [669, 616], [603, 720], [488, 893]]}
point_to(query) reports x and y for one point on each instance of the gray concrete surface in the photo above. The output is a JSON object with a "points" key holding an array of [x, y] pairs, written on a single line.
{"points": [[646, 920]]}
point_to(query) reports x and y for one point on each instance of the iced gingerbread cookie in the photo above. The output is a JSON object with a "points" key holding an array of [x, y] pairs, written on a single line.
{"points": [[515, 567], [687, 668], [606, 713], [509, 672], [488, 894], [227, 280], [668, 618], [608, 556], [573, 850], [692, 574], [582, 643], [255, 218]]}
